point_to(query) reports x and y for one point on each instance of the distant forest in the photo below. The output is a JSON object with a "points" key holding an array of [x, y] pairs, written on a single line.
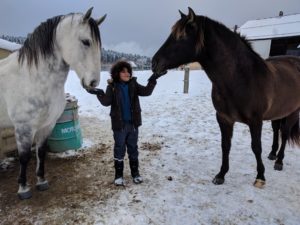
{"points": [[108, 57]]}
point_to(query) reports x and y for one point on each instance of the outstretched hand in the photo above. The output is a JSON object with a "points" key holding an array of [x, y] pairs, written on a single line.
{"points": [[155, 76], [95, 91]]}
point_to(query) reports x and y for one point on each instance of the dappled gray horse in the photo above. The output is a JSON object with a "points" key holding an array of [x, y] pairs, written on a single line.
{"points": [[32, 83]]}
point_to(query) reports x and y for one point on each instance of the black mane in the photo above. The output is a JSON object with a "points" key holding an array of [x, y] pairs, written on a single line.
{"points": [[41, 41]]}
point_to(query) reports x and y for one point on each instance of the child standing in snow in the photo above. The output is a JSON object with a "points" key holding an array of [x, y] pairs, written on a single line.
{"points": [[122, 95]]}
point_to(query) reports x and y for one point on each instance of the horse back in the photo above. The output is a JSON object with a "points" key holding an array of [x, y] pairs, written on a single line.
{"points": [[285, 71]]}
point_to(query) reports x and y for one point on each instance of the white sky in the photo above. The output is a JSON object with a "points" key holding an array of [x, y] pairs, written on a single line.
{"points": [[137, 26]]}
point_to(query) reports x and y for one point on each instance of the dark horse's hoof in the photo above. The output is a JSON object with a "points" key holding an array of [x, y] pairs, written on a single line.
{"points": [[25, 195], [259, 183], [218, 181], [278, 166], [42, 186], [272, 157]]}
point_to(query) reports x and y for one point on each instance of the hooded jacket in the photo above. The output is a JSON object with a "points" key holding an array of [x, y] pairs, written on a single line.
{"points": [[112, 98]]}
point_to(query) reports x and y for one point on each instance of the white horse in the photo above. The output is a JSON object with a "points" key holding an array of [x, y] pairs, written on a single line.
{"points": [[32, 83]]}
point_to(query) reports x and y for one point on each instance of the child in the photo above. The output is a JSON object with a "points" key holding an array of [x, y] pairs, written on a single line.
{"points": [[122, 95]]}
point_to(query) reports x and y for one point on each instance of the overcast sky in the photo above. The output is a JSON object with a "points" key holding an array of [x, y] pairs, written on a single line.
{"points": [[136, 26]]}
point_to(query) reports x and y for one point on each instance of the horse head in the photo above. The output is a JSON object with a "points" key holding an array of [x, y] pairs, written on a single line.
{"points": [[182, 46], [78, 38]]}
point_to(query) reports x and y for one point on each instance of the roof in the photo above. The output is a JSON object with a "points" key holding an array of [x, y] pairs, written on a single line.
{"points": [[133, 65], [10, 46], [269, 28]]}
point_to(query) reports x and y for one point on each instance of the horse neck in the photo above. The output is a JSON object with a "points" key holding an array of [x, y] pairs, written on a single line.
{"points": [[226, 58], [51, 71]]}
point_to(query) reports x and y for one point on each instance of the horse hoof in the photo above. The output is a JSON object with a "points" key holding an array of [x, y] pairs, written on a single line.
{"points": [[272, 157], [43, 186], [278, 167], [259, 183], [25, 195], [218, 181]]}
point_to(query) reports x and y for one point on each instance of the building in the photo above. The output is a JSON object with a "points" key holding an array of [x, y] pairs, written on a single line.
{"points": [[7, 47], [191, 66], [274, 36]]}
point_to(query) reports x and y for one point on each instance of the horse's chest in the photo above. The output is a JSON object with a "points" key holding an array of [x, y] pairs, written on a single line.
{"points": [[227, 106]]}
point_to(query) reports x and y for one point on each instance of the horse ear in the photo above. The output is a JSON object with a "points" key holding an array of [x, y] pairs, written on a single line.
{"points": [[99, 21], [87, 14], [182, 14], [191, 15]]}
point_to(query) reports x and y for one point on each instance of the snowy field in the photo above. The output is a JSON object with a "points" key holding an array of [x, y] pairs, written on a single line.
{"points": [[180, 153]]}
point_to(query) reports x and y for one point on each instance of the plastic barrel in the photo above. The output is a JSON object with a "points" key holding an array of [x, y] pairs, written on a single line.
{"points": [[66, 134]]}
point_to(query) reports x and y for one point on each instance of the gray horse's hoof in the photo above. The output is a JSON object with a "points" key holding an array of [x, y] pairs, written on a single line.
{"points": [[218, 181], [25, 195], [272, 157], [43, 186], [278, 166]]}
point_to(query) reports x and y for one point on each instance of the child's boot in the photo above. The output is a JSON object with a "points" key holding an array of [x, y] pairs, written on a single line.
{"points": [[134, 167], [119, 166]]}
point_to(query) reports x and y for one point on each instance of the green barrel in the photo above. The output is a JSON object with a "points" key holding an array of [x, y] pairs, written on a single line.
{"points": [[66, 134]]}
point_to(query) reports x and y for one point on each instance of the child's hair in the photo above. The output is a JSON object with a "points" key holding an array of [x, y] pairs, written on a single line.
{"points": [[117, 68]]}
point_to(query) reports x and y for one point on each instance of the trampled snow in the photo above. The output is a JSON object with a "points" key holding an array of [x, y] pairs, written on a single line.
{"points": [[177, 187]]}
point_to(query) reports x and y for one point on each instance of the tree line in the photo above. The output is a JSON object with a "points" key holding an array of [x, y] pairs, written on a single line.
{"points": [[108, 57]]}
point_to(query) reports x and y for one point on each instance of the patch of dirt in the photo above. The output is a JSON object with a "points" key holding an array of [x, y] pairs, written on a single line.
{"points": [[81, 179], [78, 184], [151, 146]]}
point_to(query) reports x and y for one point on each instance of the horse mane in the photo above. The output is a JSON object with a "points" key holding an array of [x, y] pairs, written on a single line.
{"points": [[41, 41], [236, 37], [178, 31]]}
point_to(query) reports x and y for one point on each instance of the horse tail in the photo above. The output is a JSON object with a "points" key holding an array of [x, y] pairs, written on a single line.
{"points": [[294, 136]]}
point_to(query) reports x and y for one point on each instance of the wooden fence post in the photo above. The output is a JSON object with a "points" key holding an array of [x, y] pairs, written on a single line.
{"points": [[186, 79]]}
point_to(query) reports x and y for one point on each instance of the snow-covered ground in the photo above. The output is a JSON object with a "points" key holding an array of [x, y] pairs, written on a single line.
{"points": [[180, 153], [178, 187]]}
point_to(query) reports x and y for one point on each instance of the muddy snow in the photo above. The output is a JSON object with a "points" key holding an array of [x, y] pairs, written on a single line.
{"points": [[180, 153]]}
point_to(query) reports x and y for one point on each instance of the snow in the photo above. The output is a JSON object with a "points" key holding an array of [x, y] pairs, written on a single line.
{"points": [[177, 186], [11, 46], [281, 26]]}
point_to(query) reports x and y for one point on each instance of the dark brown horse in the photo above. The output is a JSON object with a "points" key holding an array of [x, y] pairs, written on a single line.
{"points": [[245, 88]]}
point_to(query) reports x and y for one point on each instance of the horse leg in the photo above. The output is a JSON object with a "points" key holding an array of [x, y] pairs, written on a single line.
{"points": [[226, 132], [41, 149], [255, 130], [275, 145], [42, 183], [24, 139], [286, 128], [278, 163]]}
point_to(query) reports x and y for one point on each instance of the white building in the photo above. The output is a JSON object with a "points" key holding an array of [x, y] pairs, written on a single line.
{"points": [[6, 47], [274, 36]]}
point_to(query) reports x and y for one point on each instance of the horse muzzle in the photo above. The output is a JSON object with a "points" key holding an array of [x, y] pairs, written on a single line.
{"points": [[158, 68], [91, 84]]}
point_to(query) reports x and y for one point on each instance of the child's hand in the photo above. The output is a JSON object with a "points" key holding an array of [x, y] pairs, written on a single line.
{"points": [[95, 91]]}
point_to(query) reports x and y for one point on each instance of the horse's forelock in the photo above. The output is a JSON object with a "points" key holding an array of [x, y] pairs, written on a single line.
{"points": [[40, 42], [94, 30], [178, 31]]}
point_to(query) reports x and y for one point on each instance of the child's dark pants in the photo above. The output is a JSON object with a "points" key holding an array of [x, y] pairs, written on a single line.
{"points": [[127, 137]]}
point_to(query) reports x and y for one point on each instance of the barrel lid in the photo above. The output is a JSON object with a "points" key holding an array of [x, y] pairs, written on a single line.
{"points": [[71, 101]]}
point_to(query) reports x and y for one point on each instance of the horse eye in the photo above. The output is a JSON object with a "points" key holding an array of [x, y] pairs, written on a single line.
{"points": [[86, 42]]}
